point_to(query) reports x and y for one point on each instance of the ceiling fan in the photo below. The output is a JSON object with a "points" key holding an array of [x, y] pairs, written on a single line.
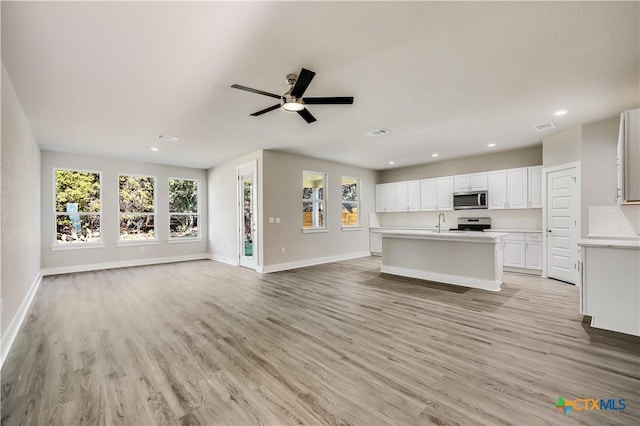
{"points": [[292, 100]]}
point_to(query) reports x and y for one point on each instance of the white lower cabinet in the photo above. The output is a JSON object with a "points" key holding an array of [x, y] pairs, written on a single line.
{"points": [[523, 250], [375, 242], [533, 252], [514, 250]]}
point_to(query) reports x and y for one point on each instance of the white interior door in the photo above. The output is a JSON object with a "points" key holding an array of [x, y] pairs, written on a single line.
{"points": [[247, 215], [562, 213]]}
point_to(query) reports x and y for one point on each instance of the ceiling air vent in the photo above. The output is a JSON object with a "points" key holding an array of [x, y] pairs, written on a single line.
{"points": [[378, 132], [545, 126]]}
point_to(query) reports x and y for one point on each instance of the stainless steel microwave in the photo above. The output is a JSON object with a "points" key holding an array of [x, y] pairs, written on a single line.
{"points": [[470, 200]]}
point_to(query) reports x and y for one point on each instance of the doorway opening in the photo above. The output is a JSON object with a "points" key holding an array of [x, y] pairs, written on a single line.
{"points": [[247, 215]]}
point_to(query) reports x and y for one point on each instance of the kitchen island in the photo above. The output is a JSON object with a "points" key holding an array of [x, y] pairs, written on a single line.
{"points": [[469, 259]]}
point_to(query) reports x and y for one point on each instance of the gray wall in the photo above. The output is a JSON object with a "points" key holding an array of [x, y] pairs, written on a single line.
{"points": [[20, 201], [599, 170], [223, 242], [531, 156], [80, 259], [562, 147], [594, 145], [282, 179]]}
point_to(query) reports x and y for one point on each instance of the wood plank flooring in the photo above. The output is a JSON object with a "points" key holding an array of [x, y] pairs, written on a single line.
{"points": [[205, 343]]}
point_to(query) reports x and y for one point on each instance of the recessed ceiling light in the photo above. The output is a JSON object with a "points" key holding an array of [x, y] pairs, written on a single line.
{"points": [[560, 112], [154, 149], [491, 145], [169, 138], [392, 162], [435, 155]]}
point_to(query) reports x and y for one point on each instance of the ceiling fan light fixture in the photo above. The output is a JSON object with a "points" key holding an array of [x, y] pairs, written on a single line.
{"points": [[292, 105]]}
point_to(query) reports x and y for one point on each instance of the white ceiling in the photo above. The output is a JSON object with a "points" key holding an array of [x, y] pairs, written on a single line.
{"points": [[107, 78]]}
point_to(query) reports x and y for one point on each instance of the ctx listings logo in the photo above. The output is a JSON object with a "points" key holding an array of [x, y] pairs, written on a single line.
{"points": [[590, 404]]}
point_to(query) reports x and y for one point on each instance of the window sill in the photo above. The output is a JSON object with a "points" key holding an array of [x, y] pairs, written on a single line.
{"points": [[137, 243], [76, 246], [314, 230], [351, 228], [184, 240]]}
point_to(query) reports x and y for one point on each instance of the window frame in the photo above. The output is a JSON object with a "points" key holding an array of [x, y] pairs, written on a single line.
{"points": [[342, 201], [170, 213], [323, 202], [149, 241], [75, 245]]}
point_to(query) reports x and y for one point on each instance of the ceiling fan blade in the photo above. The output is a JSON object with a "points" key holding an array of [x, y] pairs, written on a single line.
{"points": [[307, 116], [329, 101], [302, 82], [271, 108], [259, 92]]}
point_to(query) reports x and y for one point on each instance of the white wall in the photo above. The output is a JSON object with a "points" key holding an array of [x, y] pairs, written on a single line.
{"points": [[20, 252], [112, 254], [282, 190], [223, 242]]}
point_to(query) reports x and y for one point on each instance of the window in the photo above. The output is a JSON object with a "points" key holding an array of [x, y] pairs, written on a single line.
{"points": [[137, 208], [350, 201], [313, 199], [183, 208], [78, 207]]}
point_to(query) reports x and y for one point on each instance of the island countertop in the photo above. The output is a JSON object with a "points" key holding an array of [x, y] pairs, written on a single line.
{"points": [[469, 236]]}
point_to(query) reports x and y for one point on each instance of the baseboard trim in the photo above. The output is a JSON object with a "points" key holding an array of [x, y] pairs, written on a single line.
{"points": [[442, 278], [12, 331], [310, 262], [223, 259], [122, 264]]}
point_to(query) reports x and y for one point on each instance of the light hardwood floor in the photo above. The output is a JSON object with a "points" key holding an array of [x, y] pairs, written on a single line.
{"points": [[205, 343]]}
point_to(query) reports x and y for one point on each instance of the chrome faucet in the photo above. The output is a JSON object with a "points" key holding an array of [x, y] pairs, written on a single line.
{"points": [[441, 215]]}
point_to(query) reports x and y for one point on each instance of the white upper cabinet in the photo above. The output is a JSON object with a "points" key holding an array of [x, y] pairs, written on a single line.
{"points": [[386, 197], [380, 198], [390, 197], [470, 182], [398, 197], [413, 195], [517, 188], [444, 193], [436, 194], [534, 182], [402, 197], [428, 194], [497, 187], [508, 189]]}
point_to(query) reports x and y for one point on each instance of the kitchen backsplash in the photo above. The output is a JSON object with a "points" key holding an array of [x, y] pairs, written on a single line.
{"points": [[500, 219]]}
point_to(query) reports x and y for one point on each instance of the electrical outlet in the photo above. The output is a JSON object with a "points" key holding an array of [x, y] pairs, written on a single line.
{"points": [[282, 250], [277, 220], [271, 220]]}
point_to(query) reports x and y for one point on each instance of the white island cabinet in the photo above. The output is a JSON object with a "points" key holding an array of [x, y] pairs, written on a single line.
{"points": [[434, 256]]}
